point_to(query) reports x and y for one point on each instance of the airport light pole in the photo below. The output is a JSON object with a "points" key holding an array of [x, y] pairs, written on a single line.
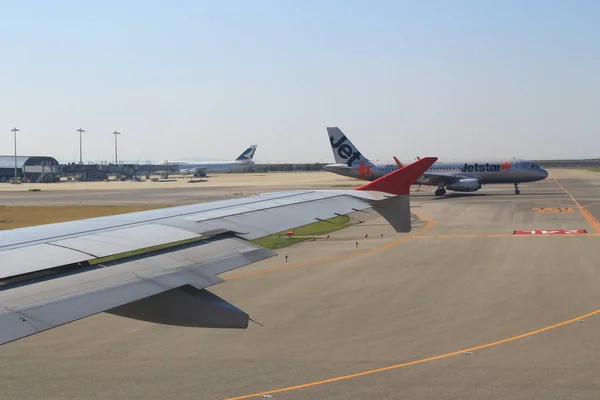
{"points": [[15, 130], [116, 133], [80, 149]]}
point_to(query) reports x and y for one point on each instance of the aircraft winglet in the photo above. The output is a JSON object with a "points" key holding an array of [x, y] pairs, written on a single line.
{"points": [[399, 181], [398, 163]]}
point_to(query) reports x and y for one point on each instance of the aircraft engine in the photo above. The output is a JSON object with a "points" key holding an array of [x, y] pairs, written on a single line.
{"points": [[465, 185]]}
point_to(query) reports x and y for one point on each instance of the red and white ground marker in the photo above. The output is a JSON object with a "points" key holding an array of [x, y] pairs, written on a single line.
{"points": [[552, 232]]}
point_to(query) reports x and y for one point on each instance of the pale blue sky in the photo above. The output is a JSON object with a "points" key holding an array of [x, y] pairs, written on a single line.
{"points": [[454, 79]]}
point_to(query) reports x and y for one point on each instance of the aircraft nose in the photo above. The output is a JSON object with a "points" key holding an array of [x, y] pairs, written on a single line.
{"points": [[543, 173]]}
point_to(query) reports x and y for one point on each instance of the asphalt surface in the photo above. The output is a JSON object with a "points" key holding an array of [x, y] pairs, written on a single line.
{"points": [[459, 308], [158, 196]]}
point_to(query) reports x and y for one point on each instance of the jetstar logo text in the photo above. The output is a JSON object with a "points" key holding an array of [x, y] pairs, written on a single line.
{"points": [[345, 150], [486, 167]]}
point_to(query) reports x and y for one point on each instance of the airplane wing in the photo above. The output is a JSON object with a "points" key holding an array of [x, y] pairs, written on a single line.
{"points": [[155, 265], [432, 178], [194, 170]]}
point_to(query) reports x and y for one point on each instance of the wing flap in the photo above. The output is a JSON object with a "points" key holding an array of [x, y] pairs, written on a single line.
{"points": [[274, 220], [283, 214], [249, 207], [46, 304], [38, 257], [113, 242]]}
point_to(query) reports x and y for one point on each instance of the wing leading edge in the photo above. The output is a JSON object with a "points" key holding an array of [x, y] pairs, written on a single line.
{"points": [[156, 265]]}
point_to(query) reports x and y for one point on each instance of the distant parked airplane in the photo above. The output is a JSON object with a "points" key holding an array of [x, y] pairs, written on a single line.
{"points": [[201, 168]]}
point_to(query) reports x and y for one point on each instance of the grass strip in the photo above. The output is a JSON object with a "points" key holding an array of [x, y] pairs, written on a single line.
{"points": [[12, 217], [302, 233]]}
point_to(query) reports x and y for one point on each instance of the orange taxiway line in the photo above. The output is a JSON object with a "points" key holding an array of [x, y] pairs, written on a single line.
{"points": [[592, 220], [430, 224], [421, 361], [586, 214]]}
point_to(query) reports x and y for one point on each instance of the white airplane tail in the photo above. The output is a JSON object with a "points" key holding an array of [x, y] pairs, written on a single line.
{"points": [[344, 151], [248, 154]]}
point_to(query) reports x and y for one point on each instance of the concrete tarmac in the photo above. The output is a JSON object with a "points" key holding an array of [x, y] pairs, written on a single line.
{"points": [[173, 192], [459, 308]]}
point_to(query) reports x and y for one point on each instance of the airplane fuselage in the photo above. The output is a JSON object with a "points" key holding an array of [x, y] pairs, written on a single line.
{"points": [[201, 168], [219, 166], [458, 176]]}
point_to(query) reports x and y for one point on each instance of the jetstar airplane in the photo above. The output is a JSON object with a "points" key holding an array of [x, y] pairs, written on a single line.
{"points": [[465, 176], [156, 265]]}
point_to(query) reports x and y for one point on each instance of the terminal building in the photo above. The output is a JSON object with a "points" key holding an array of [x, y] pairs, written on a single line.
{"points": [[30, 168]]}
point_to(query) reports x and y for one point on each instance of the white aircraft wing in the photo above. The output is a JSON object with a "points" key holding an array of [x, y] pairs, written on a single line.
{"points": [[193, 170], [155, 265]]}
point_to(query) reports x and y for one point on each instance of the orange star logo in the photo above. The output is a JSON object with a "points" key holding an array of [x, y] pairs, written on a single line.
{"points": [[364, 169], [506, 166]]}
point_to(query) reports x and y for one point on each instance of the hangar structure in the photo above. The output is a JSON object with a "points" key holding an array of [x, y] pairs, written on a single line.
{"points": [[30, 168]]}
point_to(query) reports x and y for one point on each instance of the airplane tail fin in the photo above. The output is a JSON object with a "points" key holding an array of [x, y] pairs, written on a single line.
{"points": [[344, 151], [396, 209], [398, 163], [248, 154]]}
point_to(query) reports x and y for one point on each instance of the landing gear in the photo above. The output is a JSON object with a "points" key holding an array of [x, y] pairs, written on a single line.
{"points": [[517, 191], [440, 192]]}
